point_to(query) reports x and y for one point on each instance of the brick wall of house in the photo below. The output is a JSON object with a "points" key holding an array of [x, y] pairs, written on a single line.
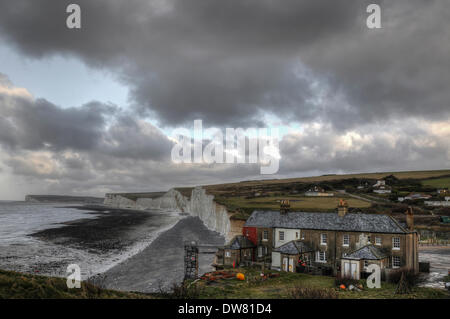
{"points": [[334, 248], [251, 234]]}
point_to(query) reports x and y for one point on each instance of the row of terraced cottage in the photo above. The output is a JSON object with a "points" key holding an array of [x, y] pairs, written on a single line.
{"points": [[324, 243]]}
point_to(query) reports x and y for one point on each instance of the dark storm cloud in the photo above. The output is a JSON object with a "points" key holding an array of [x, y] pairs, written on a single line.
{"points": [[222, 61], [229, 63]]}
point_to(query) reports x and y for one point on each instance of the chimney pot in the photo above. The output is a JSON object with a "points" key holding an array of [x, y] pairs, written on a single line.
{"points": [[410, 218], [342, 208]]}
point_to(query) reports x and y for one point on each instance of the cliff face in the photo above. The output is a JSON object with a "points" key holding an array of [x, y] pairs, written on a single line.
{"points": [[214, 216]]}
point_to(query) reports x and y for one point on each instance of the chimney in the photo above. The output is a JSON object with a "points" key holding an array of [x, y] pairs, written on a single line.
{"points": [[410, 218], [342, 208], [284, 206]]}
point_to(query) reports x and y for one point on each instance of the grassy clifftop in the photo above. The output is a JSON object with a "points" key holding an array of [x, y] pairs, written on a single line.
{"points": [[17, 285]]}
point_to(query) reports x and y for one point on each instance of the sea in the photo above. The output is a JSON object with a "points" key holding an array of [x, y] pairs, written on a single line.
{"points": [[20, 251]]}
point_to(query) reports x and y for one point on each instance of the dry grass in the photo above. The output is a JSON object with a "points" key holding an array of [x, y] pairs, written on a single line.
{"points": [[314, 179]]}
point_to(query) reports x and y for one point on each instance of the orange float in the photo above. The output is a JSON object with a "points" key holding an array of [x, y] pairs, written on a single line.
{"points": [[240, 276]]}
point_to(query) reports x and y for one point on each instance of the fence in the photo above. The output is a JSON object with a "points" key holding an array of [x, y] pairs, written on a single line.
{"points": [[434, 242]]}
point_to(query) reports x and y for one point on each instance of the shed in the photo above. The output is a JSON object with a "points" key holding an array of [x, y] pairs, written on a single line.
{"points": [[287, 256], [356, 262]]}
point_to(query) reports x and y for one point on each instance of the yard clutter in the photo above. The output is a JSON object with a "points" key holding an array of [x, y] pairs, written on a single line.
{"points": [[221, 274], [233, 274]]}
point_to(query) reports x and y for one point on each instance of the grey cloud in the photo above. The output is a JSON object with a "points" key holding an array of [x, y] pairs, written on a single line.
{"points": [[224, 62], [38, 124], [405, 149]]}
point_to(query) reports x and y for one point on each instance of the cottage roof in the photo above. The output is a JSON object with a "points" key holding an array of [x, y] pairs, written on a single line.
{"points": [[368, 252], [294, 247], [359, 222], [239, 242]]}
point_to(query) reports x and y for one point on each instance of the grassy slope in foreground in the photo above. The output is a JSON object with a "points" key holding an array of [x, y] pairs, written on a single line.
{"points": [[281, 287], [17, 285]]}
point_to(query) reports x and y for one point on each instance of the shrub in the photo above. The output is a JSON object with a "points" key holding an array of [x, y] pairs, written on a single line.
{"points": [[312, 293], [183, 290], [412, 279]]}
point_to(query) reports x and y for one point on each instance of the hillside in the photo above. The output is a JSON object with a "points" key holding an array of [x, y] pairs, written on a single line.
{"points": [[17, 285], [243, 197]]}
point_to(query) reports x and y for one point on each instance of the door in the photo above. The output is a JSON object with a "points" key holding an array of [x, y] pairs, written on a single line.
{"points": [[347, 269], [291, 264], [354, 275], [276, 260], [285, 263]]}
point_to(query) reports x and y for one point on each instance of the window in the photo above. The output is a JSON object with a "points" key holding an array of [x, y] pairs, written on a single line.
{"points": [[265, 235], [396, 263], [368, 239], [260, 251], [323, 239], [346, 240], [321, 257], [227, 254], [366, 264], [396, 243], [281, 235], [296, 235], [302, 234], [378, 241]]}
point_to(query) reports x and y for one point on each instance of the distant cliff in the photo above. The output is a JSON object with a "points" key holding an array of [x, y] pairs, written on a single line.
{"points": [[63, 199], [214, 216]]}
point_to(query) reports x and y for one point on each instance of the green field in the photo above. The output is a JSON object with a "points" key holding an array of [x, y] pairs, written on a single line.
{"points": [[437, 182], [297, 203]]}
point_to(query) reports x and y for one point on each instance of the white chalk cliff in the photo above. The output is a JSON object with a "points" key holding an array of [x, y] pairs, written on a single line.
{"points": [[214, 216]]}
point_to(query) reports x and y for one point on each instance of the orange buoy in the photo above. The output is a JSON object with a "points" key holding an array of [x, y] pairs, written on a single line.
{"points": [[240, 276], [342, 287]]}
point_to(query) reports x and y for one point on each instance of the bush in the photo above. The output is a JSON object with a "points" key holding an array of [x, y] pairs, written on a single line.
{"points": [[411, 278], [312, 293], [183, 290]]}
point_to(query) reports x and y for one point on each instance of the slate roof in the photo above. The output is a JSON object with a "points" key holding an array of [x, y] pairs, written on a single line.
{"points": [[294, 247], [325, 221], [240, 242], [369, 252]]}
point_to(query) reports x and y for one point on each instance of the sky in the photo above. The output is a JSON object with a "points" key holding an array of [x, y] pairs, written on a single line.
{"points": [[91, 110]]}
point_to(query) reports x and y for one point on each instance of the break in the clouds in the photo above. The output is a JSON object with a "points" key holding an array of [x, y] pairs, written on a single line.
{"points": [[364, 99]]}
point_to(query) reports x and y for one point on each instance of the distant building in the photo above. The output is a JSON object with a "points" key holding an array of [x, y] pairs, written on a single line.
{"points": [[443, 191], [381, 188], [436, 203], [414, 196], [317, 191], [380, 182]]}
